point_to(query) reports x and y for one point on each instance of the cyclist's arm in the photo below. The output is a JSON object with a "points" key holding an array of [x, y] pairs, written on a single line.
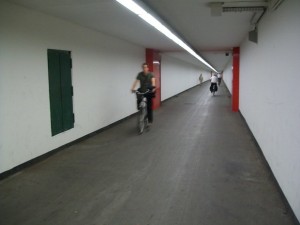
{"points": [[134, 84]]}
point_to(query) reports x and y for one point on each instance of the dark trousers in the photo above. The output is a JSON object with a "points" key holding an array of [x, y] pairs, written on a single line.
{"points": [[212, 85], [149, 109]]}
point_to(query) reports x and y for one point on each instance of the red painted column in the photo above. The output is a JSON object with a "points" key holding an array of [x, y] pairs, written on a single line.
{"points": [[153, 60], [235, 78]]}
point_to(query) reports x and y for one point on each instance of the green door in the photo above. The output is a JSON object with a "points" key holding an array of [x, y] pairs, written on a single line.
{"points": [[60, 90]]}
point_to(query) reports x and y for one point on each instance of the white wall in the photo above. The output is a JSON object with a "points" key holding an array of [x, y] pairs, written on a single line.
{"points": [[269, 96], [178, 76], [227, 75], [103, 71]]}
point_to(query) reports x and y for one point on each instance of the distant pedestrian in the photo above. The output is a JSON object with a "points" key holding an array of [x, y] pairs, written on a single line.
{"points": [[201, 78], [219, 78]]}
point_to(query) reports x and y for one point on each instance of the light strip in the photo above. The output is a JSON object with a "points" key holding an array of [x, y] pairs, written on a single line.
{"points": [[135, 8]]}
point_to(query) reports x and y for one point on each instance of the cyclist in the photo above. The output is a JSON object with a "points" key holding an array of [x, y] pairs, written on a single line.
{"points": [[147, 81], [213, 84]]}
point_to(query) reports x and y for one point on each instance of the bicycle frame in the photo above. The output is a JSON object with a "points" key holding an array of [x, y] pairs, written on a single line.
{"points": [[142, 115]]}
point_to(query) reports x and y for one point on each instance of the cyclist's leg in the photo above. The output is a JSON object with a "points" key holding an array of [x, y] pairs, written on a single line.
{"points": [[149, 109], [211, 87]]}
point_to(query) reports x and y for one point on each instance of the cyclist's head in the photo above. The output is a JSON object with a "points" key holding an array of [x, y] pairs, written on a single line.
{"points": [[145, 67]]}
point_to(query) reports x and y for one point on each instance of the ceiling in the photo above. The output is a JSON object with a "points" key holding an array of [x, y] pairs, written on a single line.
{"points": [[210, 36]]}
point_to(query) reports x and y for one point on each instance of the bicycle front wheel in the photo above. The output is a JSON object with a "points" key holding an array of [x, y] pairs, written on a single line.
{"points": [[141, 121]]}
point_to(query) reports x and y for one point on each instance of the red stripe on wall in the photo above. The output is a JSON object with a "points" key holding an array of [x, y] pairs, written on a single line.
{"points": [[235, 78], [153, 60]]}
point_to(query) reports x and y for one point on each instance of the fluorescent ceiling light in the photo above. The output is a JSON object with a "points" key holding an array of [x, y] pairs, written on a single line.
{"points": [[138, 10]]}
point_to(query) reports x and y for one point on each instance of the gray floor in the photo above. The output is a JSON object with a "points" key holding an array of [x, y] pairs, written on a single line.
{"points": [[198, 165]]}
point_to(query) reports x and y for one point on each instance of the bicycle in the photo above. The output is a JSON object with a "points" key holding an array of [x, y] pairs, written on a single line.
{"points": [[142, 114]]}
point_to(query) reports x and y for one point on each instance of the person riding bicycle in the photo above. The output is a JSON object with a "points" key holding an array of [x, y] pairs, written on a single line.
{"points": [[213, 84], [147, 82]]}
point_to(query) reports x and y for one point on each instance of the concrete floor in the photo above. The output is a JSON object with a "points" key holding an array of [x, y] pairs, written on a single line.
{"points": [[198, 165]]}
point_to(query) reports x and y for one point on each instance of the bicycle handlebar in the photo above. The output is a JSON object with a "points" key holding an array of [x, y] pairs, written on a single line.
{"points": [[141, 93]]}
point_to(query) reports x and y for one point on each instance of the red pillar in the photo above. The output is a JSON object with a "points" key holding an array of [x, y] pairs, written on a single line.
{"points": [[153, 60], [235, 78]]}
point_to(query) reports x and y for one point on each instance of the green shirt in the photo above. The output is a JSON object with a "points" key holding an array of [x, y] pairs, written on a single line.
{"points": [[145, 81]]}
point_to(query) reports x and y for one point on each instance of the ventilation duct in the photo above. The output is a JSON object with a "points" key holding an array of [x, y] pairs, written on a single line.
{"points": [[217, 8], [258, 9], [274, 4], [243, 9], [252, 36]]}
